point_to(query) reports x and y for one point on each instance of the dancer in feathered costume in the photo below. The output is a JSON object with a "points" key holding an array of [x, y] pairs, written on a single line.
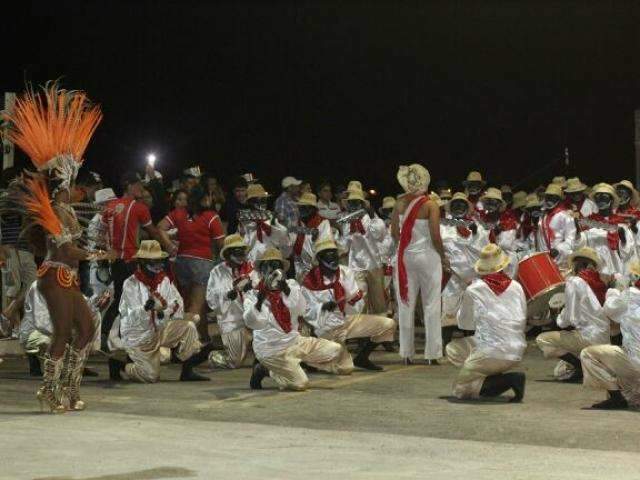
{"points": [[53, 127]]}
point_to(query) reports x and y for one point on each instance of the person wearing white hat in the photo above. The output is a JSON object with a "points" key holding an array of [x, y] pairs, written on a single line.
{"points": [[616, 369], [463, 239], [577, 200], [262, 234], [285, 207], [584, 295], [608, 233], [361, 238], [151, 317], [334, 308], [272, 312], [494, 306], [420, 261], [474, 186], [503, 229], [388, 247], [229, 281], [311, 226], [99, 275], [556, 232]]}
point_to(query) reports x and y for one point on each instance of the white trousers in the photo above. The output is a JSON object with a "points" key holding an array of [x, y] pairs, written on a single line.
{"points": [[607, 367], [145, 366], [424, 276], [318, 352], [237, 345]]}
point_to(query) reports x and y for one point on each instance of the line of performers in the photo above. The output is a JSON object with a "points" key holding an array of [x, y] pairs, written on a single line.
{"points": [[458, 255]]}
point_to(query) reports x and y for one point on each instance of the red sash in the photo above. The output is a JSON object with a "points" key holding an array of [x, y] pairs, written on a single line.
{"points": [[547, 231], [595, 282], [152, 283], [357, 227], [406, 231], [613, 238], [314, 281], [498, 282], [279, 310], [263, 229], [313, 222]]}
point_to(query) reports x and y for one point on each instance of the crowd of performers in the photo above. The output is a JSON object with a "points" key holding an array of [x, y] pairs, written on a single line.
{"points": [[289, 290]]}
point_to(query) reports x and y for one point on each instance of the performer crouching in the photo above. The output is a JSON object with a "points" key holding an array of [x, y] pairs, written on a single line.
{"points": [[334, 306], [272, 311], [585, 293], [613, 368], [229, 281], [494, 306], [151, 316]]}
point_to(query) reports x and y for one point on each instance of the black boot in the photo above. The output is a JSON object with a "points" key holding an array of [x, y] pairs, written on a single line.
{"points": [[188, 375], [615, 402], [89, 372], [576, 376], [362, 359], [308, 368], [494, 385], [447, 335], [34, 365], [389, 347], [115, 367], [257, 375]]}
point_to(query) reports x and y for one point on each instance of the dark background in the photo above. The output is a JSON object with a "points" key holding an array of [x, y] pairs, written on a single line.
{"points": [[342, 89]]}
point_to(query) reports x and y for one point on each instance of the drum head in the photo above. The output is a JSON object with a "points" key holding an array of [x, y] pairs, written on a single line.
{"points": [[539, 305]]}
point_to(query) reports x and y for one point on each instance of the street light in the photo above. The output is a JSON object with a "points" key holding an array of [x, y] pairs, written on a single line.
{"points": [[151, 159]]}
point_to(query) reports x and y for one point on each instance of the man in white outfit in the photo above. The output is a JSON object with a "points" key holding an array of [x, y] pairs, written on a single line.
{"points": [[229, 281], [362, 237], [419, 264], [272, 311], [556, 231], [613, 368], [152, 316], [584, 295], [577, 201], [495, 307], [334, 306]]}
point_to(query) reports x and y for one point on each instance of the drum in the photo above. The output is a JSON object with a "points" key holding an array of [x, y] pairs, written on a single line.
{"points": [[541, 279]]}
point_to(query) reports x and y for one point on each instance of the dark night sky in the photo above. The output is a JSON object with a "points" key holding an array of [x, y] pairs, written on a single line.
{"points": [[343, 89]]}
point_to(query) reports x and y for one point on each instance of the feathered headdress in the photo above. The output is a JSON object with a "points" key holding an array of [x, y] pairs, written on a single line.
{"points": [[53, 126]]}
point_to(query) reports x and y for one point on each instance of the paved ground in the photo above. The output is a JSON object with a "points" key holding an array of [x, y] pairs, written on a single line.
{"points": [[396, 424]]}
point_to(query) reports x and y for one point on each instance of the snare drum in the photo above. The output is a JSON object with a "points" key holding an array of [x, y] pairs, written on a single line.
{"points": [[540, 278]]}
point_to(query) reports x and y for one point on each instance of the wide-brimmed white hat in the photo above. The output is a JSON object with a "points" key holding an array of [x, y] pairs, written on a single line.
{"points": [[519, 199], [104, 195], [414, 178], [273, 253], [574, 185], [255, 190], [474, 176], [308, 199], [232, 241], [635, 197], [605, 188], [150, 250], [388, 202], [588, 253], [492, 259]]}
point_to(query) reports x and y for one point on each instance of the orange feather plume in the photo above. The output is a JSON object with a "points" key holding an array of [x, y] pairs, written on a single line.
{"points": [[37, 202], [52, 122]]}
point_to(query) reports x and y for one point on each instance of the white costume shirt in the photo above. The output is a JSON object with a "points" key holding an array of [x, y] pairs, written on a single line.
{"points": [[613, 261], [498, 320], [323, 321], [330, 210], [624, 308], [583, 311], [269, 339], [364, 250], [304, 262], [388, 248], [136, 326], [228, 312], [562, 232], [279, 239]]}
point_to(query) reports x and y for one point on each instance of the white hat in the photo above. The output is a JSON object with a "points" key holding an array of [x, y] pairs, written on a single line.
{"points": [[414, 178], [104, 195], [290, 182], [193, 172]]}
